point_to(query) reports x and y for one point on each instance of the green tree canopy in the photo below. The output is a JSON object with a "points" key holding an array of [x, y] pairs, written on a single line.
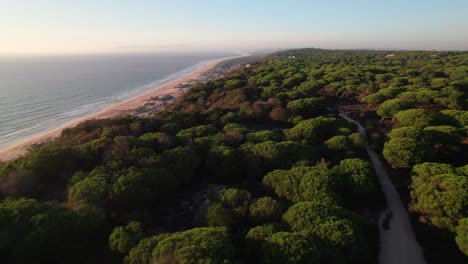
{"points": [[462, 235], [304, 184], [307, 107], [315, 129], [339, 229], [417, 117], [460, 117], [218, 215], [406, 152], [289, 248], [265, 209], [262, 136], [441, 199], [260, 233], [38, 232], [142, 253], [443, 134], [408, 132], [124, 238], [337, 143], [198, 131], [426, 170], [393, 106], [223, 163], [360, 179], [198, 245]]}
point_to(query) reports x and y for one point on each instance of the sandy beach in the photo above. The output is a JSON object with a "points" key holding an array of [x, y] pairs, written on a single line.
{"points": [[130, 106]]}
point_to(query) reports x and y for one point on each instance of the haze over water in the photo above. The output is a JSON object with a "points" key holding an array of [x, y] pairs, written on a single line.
{"points": [[40, 93]]}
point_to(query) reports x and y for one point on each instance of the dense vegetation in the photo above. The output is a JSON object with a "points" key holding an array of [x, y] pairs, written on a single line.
{"points": [[282, 178]]}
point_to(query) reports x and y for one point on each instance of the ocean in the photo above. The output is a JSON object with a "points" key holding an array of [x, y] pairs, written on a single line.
{"points": [[39, 93]]}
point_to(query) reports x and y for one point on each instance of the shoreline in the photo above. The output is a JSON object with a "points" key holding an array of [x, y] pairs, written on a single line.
{"points": [[132, 105]]}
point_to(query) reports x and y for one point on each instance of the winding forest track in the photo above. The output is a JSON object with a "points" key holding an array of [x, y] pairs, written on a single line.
{"points": [[398, 244]]}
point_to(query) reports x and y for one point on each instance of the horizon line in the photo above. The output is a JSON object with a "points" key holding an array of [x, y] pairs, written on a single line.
{"points": [[214, 51]]}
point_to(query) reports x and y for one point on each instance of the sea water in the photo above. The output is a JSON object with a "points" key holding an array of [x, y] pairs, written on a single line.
{"points": [[39, 93]]}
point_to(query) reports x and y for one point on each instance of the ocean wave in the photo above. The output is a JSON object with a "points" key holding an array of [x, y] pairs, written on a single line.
{"points": [[29, 118]]}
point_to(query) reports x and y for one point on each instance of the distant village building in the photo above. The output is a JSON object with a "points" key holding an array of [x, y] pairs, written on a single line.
{"points": [[248, 65], [183, 85], [393, 55]]}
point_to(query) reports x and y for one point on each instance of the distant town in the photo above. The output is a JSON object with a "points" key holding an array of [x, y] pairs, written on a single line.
{"points": [[217, 72], [159, 102]]}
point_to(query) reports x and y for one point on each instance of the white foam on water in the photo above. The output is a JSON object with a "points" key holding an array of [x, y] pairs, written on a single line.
{"points": [[27, 118]]}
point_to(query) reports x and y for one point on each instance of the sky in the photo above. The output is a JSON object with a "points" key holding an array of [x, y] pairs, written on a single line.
{"points": [[116, 26]]}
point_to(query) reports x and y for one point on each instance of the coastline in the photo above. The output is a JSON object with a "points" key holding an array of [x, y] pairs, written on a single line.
{"points": [[129, 106]]}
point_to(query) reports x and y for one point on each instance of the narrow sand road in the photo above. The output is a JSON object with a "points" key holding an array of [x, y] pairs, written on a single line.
{"points": [[398, 243]]}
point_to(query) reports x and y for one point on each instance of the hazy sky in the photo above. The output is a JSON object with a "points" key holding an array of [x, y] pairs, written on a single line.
{"points": [[69, 26]]}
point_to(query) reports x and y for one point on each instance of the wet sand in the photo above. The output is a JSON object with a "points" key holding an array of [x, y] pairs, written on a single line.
{"points": [[129, 106]]}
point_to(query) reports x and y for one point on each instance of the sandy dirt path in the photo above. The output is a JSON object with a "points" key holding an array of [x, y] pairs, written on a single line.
{"points": [[398, 244]]}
